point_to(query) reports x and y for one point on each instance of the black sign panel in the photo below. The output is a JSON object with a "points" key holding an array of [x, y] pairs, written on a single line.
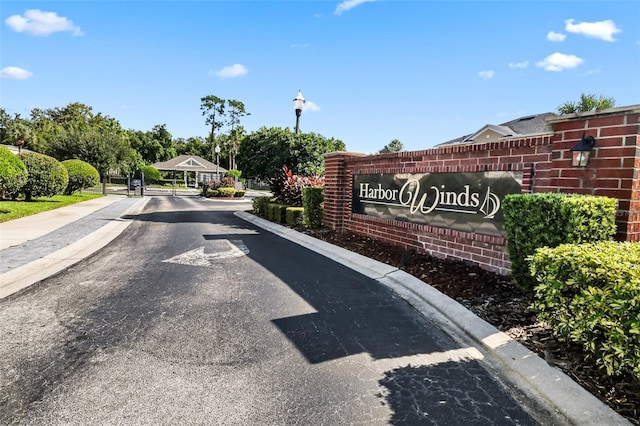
{"points": [[468, 202]]}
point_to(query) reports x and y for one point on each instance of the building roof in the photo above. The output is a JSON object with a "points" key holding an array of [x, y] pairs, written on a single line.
{"points": [[523, 126], [191, 163]]}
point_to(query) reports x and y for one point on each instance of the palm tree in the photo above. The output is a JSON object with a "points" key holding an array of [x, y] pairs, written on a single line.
{"points": [[18, 132], [588, 102]]}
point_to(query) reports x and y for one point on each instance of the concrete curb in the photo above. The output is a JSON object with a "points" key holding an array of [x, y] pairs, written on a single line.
{"points": [[31, 273], [550, 387]]}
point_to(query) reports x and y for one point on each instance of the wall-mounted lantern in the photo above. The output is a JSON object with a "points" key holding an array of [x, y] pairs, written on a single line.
{"points": [[581, 152]]}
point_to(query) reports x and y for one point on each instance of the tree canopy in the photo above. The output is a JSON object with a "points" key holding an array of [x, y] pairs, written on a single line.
{"points": [[587, 102], [16, 131], [263, 153], [103, 149], [394, 146]]}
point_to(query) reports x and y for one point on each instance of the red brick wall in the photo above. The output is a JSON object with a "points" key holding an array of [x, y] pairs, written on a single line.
{"points": [[546, 164]]}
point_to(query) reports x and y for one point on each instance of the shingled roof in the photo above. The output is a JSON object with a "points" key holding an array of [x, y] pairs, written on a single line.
{"points": [[191, 163], [523, 126]]}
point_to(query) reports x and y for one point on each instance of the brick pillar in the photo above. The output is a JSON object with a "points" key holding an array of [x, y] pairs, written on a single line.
{"points": [[633, 219], [337, 184], [614, 166]]}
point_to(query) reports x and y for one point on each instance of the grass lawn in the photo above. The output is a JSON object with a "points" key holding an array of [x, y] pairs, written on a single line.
{"points": [[10, 210]]}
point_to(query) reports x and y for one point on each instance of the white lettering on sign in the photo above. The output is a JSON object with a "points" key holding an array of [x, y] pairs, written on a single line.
{"points": [[410, 196], [378, 193]]}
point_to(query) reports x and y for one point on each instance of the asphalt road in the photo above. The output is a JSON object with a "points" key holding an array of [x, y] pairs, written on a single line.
{"points": [[193, 316]]}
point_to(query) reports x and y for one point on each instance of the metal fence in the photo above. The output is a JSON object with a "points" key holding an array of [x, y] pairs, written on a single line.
{"points": [[116, 185]]}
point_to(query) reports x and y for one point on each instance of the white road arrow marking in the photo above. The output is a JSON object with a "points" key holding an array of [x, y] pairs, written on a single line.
{"points": [[198, 257]]}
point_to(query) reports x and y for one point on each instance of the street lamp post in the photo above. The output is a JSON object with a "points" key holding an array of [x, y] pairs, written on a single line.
{"points": [[217, 150], [298, 104]]}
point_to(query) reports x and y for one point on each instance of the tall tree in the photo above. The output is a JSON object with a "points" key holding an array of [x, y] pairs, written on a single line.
{"points": [[160, 134], [263, 153], [213, 109], [192, 146], [17, 131], [394, 146], [103, 149], [587, 102], [236, 111]]}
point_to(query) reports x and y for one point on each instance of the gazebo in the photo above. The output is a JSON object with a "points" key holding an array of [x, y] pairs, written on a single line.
{"points": [[204, 170]]}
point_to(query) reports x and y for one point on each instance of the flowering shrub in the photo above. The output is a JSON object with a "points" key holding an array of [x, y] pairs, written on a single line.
{"points": [[227, 182], [287, 187]]}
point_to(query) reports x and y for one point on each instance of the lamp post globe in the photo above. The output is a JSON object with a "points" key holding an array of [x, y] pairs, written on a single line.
{"points": [[217, 151], [298, 104]]}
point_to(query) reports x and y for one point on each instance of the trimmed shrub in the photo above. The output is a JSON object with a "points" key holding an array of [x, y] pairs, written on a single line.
{"points": [[227, 182], [277, 213], [294, 216], [239, 193], [533, 221], [47, 177], [227, 192], [13, 172], [261, 206], [81, 175], [590, 294], [212, 193], [151, 174], [312, 199]]}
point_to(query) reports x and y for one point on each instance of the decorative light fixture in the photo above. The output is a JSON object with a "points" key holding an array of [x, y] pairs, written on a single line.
{"points": [[217, 151], [581, 152], [298, 104]]}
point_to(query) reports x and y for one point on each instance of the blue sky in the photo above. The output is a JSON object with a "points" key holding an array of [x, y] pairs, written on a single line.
{"points": [[423, 72]]}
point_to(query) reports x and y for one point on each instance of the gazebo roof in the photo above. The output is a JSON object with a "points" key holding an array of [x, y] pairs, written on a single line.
{"points": [[190, 163]]}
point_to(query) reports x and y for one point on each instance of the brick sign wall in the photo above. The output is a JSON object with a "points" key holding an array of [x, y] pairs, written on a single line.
{"points": [[542, 164]]}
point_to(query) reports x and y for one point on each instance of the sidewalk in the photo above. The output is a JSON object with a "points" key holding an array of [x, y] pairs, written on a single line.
{"points": [[35, 247]]}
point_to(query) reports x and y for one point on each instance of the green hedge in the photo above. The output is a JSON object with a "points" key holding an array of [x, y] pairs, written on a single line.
{"points": [[81, 175], [168, 182], [277, 212], [312, 199], [261, 206], [533, 221], [590, 294], [47, 177], [13, 172], [224, 193], [295, 216], [227, 192]]}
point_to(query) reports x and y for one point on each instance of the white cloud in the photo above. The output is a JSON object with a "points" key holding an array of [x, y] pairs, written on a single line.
{"points": [[486, 74], [348, 5], [232, 71], [310, 106], [15, 73], [559, 61], [554, 36], [516, 65], [604, 30], [40, 23]]}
